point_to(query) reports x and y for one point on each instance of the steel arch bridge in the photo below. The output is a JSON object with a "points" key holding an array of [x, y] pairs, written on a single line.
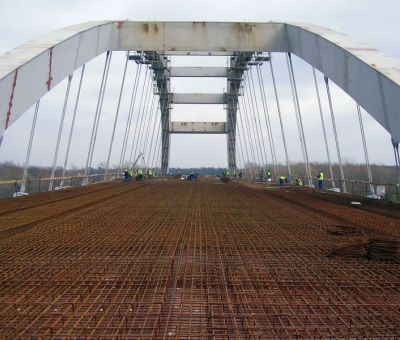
{"points": [[371, 78]]}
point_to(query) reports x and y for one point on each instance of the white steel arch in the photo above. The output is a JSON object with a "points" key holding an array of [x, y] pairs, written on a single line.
{"points": [[367, 75]]}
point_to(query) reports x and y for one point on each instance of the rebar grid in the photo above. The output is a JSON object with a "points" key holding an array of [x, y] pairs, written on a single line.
{"points": [[174, 259]]}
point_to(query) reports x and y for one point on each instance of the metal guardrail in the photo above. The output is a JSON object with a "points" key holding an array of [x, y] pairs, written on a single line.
{"points": [[385, 191], [9, 188]]}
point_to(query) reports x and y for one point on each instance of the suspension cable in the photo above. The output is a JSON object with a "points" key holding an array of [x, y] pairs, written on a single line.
{"points": [[252, 126], [159, 131], [335, 134], [238, 145], [116, 117], [244, 137], [129, 117], [146, 127], [146, 113], [96, 116], [60, 129], [396, 157], [100, 110], [257, 117], [158, 159], [267, 119], [323, 129], [250, 130], [240, 156], [250, 136], [241, 143], [139, 115], [151, 126], [156, 144], [142, 119], [152, 133], [297, 116], [280, 115], [157, 153], [364, 141], [28, 152], [300, 120], [72, 126]]}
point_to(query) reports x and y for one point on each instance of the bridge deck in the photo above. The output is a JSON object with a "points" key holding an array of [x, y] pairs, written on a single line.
{"points": [[180, 259]]}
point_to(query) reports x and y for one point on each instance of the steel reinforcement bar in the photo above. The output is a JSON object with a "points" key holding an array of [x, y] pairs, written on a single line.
{"points": [[178, 259]]}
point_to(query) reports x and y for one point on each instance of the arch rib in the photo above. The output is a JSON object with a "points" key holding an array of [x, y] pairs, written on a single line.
{"points": [[371, 78]]}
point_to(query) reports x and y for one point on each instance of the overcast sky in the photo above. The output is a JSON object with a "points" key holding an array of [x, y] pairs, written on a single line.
{"points": [[371, 21]]}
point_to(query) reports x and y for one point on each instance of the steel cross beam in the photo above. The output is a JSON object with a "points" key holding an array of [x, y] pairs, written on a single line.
{"points": [[198, 71], [198, 127], [238, 64], [159, 63], [198, 98]]}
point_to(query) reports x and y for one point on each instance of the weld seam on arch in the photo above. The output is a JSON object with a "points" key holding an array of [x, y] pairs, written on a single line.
{"points": [[10, 103]]}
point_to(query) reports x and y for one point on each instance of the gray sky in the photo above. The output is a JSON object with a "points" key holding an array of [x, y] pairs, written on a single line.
{"points": [[371, 21]]}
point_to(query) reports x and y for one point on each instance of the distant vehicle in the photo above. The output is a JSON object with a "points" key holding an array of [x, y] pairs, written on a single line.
{"points": [[192, 177]]}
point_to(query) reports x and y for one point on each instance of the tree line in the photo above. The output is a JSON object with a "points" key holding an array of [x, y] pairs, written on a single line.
{"points": [[381, 173]]}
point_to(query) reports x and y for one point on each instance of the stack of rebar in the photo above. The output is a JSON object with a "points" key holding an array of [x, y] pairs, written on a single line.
{"points": [[356, 247], [383, 248], [369, 247]]}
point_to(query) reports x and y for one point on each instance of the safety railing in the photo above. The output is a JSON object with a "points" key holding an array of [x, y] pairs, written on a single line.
{"points": [[373, 190], [11, 188]]}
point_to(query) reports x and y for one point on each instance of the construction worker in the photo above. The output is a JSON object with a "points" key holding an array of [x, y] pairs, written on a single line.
{"points": [[126, 175], [139, 175], [282, 180], [299, 182], [320, 178], [269, 175]]}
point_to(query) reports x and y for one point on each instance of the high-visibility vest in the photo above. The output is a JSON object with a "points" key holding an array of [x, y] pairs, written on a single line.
{"points": [[269, 173], [321, 176]]}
